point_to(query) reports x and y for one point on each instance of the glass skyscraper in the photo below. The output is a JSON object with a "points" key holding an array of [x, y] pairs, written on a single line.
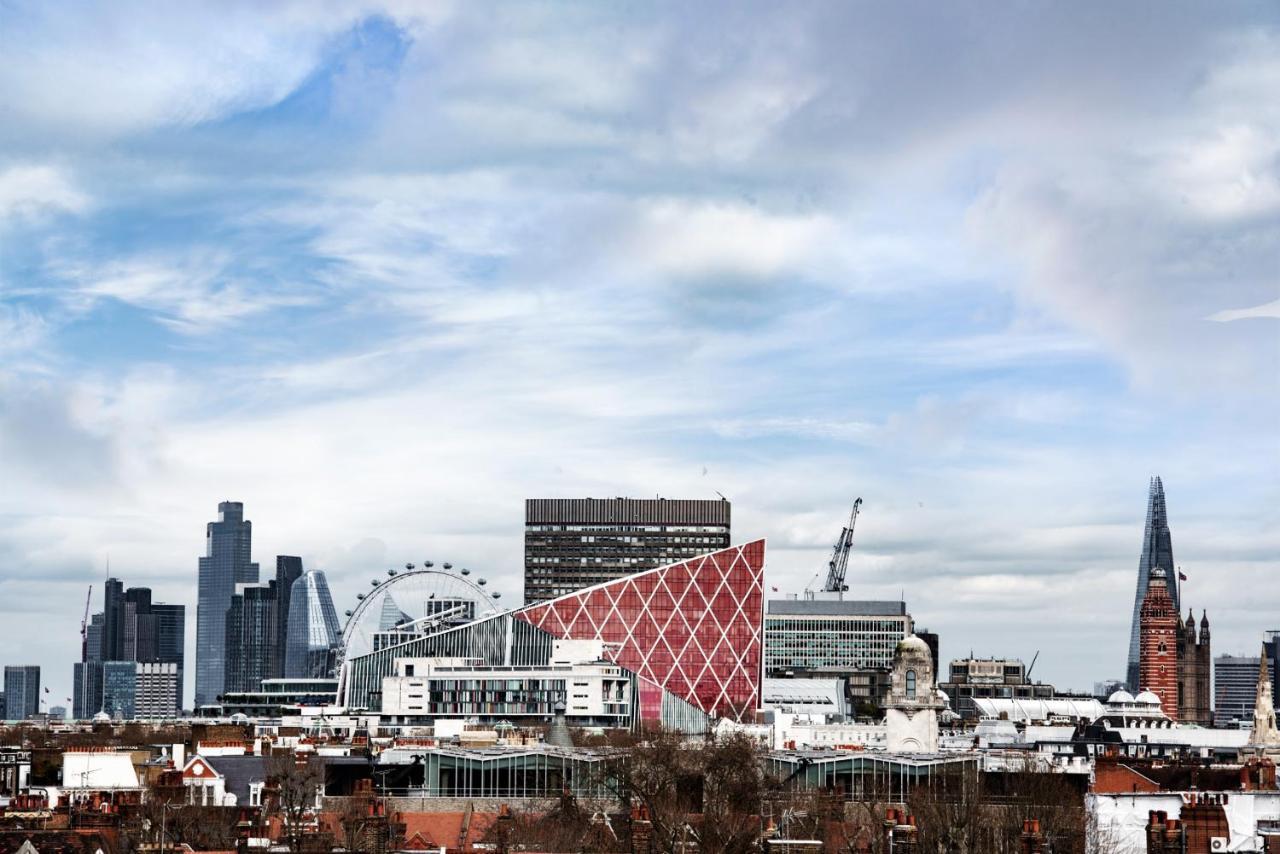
{"points": [[226, 563], [21, 692], [1157, 550], [251, 637], [288, 571], [313, 631]]}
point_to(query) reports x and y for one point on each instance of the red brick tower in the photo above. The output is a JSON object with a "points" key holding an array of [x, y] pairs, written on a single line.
{"points": [[1159, 629]]}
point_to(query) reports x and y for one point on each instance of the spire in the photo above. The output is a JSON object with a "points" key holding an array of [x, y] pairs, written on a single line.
{"points": [[1157, 552], [1265, 733]]}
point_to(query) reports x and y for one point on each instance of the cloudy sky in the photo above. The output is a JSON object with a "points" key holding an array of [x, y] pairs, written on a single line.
{"points": [[382, 272]]}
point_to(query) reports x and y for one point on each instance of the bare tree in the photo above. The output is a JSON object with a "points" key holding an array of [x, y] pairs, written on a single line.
{"points": [[293, 784]]}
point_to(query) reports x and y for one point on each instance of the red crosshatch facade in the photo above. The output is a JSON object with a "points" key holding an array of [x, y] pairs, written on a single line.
{"points": [[693, 629]]}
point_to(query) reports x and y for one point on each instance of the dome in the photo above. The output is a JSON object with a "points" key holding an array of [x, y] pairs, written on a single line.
{"points": [[101, 717], [911, 643], [1121, 696], [1147, 698]]}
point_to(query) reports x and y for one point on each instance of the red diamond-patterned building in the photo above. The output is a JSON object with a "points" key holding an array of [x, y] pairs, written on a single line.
{"points": [[691, 629]]}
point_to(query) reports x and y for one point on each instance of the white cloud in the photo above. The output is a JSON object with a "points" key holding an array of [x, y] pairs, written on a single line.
{"points": [[29, 191]]}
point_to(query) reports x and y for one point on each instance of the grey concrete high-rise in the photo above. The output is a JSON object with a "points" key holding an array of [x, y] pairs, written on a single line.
{"points": [[227, 562], [571, 543], [313, 632], [21, 692], [1157, 551]]}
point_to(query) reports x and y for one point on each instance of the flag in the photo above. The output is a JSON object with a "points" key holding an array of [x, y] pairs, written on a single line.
{"points": [[774, 589], [1181, 577], [46, 689]]}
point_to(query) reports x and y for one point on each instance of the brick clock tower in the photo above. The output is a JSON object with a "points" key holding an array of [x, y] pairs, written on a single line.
{"points": [[1159, 633]]}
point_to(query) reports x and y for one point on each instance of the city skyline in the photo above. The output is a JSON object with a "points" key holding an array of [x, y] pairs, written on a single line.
{"points": [[383, 273]]}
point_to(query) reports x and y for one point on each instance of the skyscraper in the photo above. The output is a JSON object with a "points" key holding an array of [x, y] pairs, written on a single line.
{"points": [[21, 692], [171, 643], [579, 542], [313, 630], [141, 631], [1157, 551], [1158, 658], [113, 617], [251, 637], [288, 570], [226, 563]]}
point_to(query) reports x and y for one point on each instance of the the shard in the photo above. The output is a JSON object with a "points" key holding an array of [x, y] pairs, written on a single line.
{"points": [[1157, 551]]}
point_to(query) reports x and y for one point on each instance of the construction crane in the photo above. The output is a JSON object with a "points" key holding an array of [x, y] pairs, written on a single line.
{"points": [[840, 554], [84, 626]]}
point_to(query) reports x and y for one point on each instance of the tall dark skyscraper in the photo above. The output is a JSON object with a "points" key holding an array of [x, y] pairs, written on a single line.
{"points": [[252, 636], [288, 570], [573, 543], [1157, 551], [226, 563], [113, 618]]}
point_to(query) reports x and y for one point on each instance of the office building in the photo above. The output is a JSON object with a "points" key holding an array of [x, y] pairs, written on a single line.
{"points": [[689, 633], [1158, 643], [155, 686], [277, 697], [288, 570], [1235, 683], [119, 689], [1157, 551], [971, 681], [131, 628], [21, 692], [113, 618], [86, 690], [57, 713], [829, 637], [574, 543], [226, 564], [591, 690], [1194, 670], [251, 637], [313, 633]]}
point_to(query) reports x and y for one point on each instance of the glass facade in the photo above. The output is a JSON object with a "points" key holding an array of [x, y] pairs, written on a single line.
{"points": [[119, 688], [692, 629], [313, 632], [251, 637], [21, 692], [288, 571], [86, 690], [690, 633], [798, 643], [574, 543], [226, 563]]}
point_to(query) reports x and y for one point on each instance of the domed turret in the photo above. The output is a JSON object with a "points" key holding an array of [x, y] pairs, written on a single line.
{"points": [[1119, 698], [1147, 698]]}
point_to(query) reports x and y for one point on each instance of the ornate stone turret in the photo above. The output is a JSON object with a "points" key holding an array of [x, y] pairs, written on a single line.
{"points": [[911, 715], [1265, 733]]}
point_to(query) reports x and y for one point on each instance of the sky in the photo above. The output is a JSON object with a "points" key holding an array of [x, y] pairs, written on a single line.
{"points": [[383, 271]]}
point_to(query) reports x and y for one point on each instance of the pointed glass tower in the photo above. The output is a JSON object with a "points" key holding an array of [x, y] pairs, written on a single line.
{"points": [[313, 632], [1157, 551]]}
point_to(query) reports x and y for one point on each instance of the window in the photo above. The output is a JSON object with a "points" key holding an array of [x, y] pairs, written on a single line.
{"points": [[911, 684]]}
